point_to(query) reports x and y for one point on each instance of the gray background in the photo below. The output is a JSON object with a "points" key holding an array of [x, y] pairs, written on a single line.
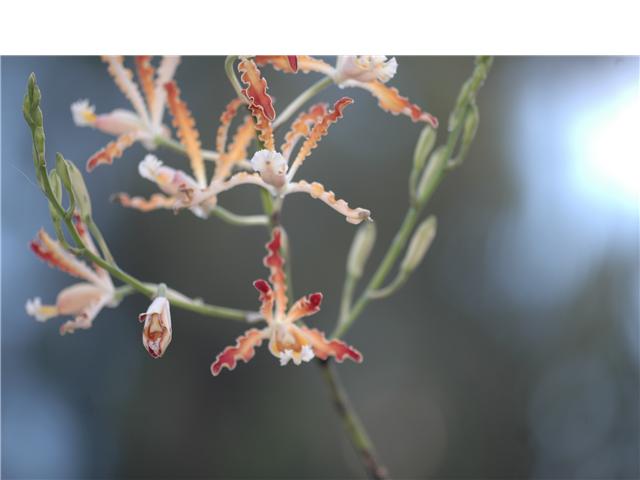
{"points": [[512, 352]]}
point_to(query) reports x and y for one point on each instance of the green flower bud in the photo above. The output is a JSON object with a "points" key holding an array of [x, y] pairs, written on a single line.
{"points": [[83, 200], [420, 243], [361, 248], [432, 174]]}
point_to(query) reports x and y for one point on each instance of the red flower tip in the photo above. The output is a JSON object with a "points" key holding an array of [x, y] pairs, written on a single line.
{"points": [[262, 286], [315, 299]]}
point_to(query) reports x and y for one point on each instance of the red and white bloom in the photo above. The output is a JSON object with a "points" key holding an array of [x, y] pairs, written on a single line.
{"points": [[156, 333], [370, 72], [83, 300], [273, 170], [287, 341], [144, 122]]}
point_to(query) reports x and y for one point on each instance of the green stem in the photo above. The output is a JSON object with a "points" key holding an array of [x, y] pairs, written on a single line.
{"points": [[97, 234], [240, 220], [228, 68], [301, 99], [177, 147], [352, 423]]}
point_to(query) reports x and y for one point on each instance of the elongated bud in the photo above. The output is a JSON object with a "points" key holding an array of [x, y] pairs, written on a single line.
{"points": [[83, 200], [424, 145], [63, 171], [361, 248], [56, 188], [420, 243], [432, 174], [470, 126]]}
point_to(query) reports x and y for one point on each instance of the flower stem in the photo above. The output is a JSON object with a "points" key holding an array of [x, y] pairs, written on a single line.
{"points": [[301, 99], [177, 147], [240, 220], [352, 423]]}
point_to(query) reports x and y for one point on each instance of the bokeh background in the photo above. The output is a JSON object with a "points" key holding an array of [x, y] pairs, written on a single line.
{"points": [[512, 353]]}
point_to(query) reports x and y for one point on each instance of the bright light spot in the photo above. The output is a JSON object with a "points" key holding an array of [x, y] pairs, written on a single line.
{"points": [[607, 153]]}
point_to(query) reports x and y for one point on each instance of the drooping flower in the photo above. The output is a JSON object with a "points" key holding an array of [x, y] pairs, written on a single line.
{"points": [[156, 333], [82, 300], [273, 170], [144, 123], [370, 72], [287, 341]]}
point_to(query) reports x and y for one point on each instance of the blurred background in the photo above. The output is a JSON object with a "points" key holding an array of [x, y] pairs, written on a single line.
{"points": [[513, 351]]}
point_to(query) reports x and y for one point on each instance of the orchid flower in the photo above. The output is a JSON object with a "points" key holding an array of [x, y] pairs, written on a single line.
{"points": [[175, 183], [370, 72], [144, 123], [84, 300], [273, 171], [156, 334], [287, 341]]}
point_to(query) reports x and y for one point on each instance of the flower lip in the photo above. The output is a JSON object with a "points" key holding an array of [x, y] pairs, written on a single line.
{"points": [[157, 332]]}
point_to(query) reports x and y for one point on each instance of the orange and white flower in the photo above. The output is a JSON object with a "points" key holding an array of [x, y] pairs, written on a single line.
{"points": [[287, 341], [144, 122], [83, 300], [156, 333], [370, 72], [272, 168]]}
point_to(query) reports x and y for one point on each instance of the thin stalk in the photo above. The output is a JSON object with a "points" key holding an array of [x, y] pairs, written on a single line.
{"points": [[240, 220], [301, 99], [228, 68], [177, 147], [97, 234], [352, 423]]}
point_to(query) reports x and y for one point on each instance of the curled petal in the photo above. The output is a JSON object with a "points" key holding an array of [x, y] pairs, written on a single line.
{"points": [[112, 151], [284, 63], [256, 90], [157, 201], [124, 80], [301, 127], [263, 127], [308, 64], [146, 73], [320, 129], [189, 136], [306, 306], [225, 122], [52, 252], [275, 263], [324, 348], [266, 299], [243, 137], [165, 73], [244, 350], [390, 100], [317, 190]]}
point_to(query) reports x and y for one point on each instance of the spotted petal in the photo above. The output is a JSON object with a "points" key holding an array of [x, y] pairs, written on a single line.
{"points": [[165, 73], [324, 348], [256, 88], [187, 132], [113, 150], [146, 74], [243, 350]]}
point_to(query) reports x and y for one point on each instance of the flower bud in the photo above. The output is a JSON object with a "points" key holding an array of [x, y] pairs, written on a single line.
{"points": [[424, 145], [83, 200], [431, 174], [420, 243], [361, 248], [156, 333]]}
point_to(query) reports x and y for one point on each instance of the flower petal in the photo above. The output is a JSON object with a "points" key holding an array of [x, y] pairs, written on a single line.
{"points": [[317, 190], [390, 100], [244, 350], [306, 306], [284, 63], [227, 116], [274, 261], [324, 348], [308, 64], [146, 74], [123, 78], [157, 201], [113, 150], [242, 139], [256, 90], [320, 129], [266, 299], [165, 73], [186, 126], [301, 127]]}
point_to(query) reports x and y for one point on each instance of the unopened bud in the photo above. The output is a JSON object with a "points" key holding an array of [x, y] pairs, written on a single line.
{"points": [[432, 174], [83, 200], [361, 248], [420, 243], [424, 145]]}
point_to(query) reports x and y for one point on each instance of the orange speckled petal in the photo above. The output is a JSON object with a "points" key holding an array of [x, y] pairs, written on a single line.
{"points": [[317, 190], [308, 64], [306, 306], [113, 150], [283, 63], [256, 88], [51, 251], [301, 127], [123, 78], [324, 348], [146, 75], [155, 202], [244, 350], [274, 261], [237, 149], [187, 132], [225, 122], [390, 100], [320, 129]]}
